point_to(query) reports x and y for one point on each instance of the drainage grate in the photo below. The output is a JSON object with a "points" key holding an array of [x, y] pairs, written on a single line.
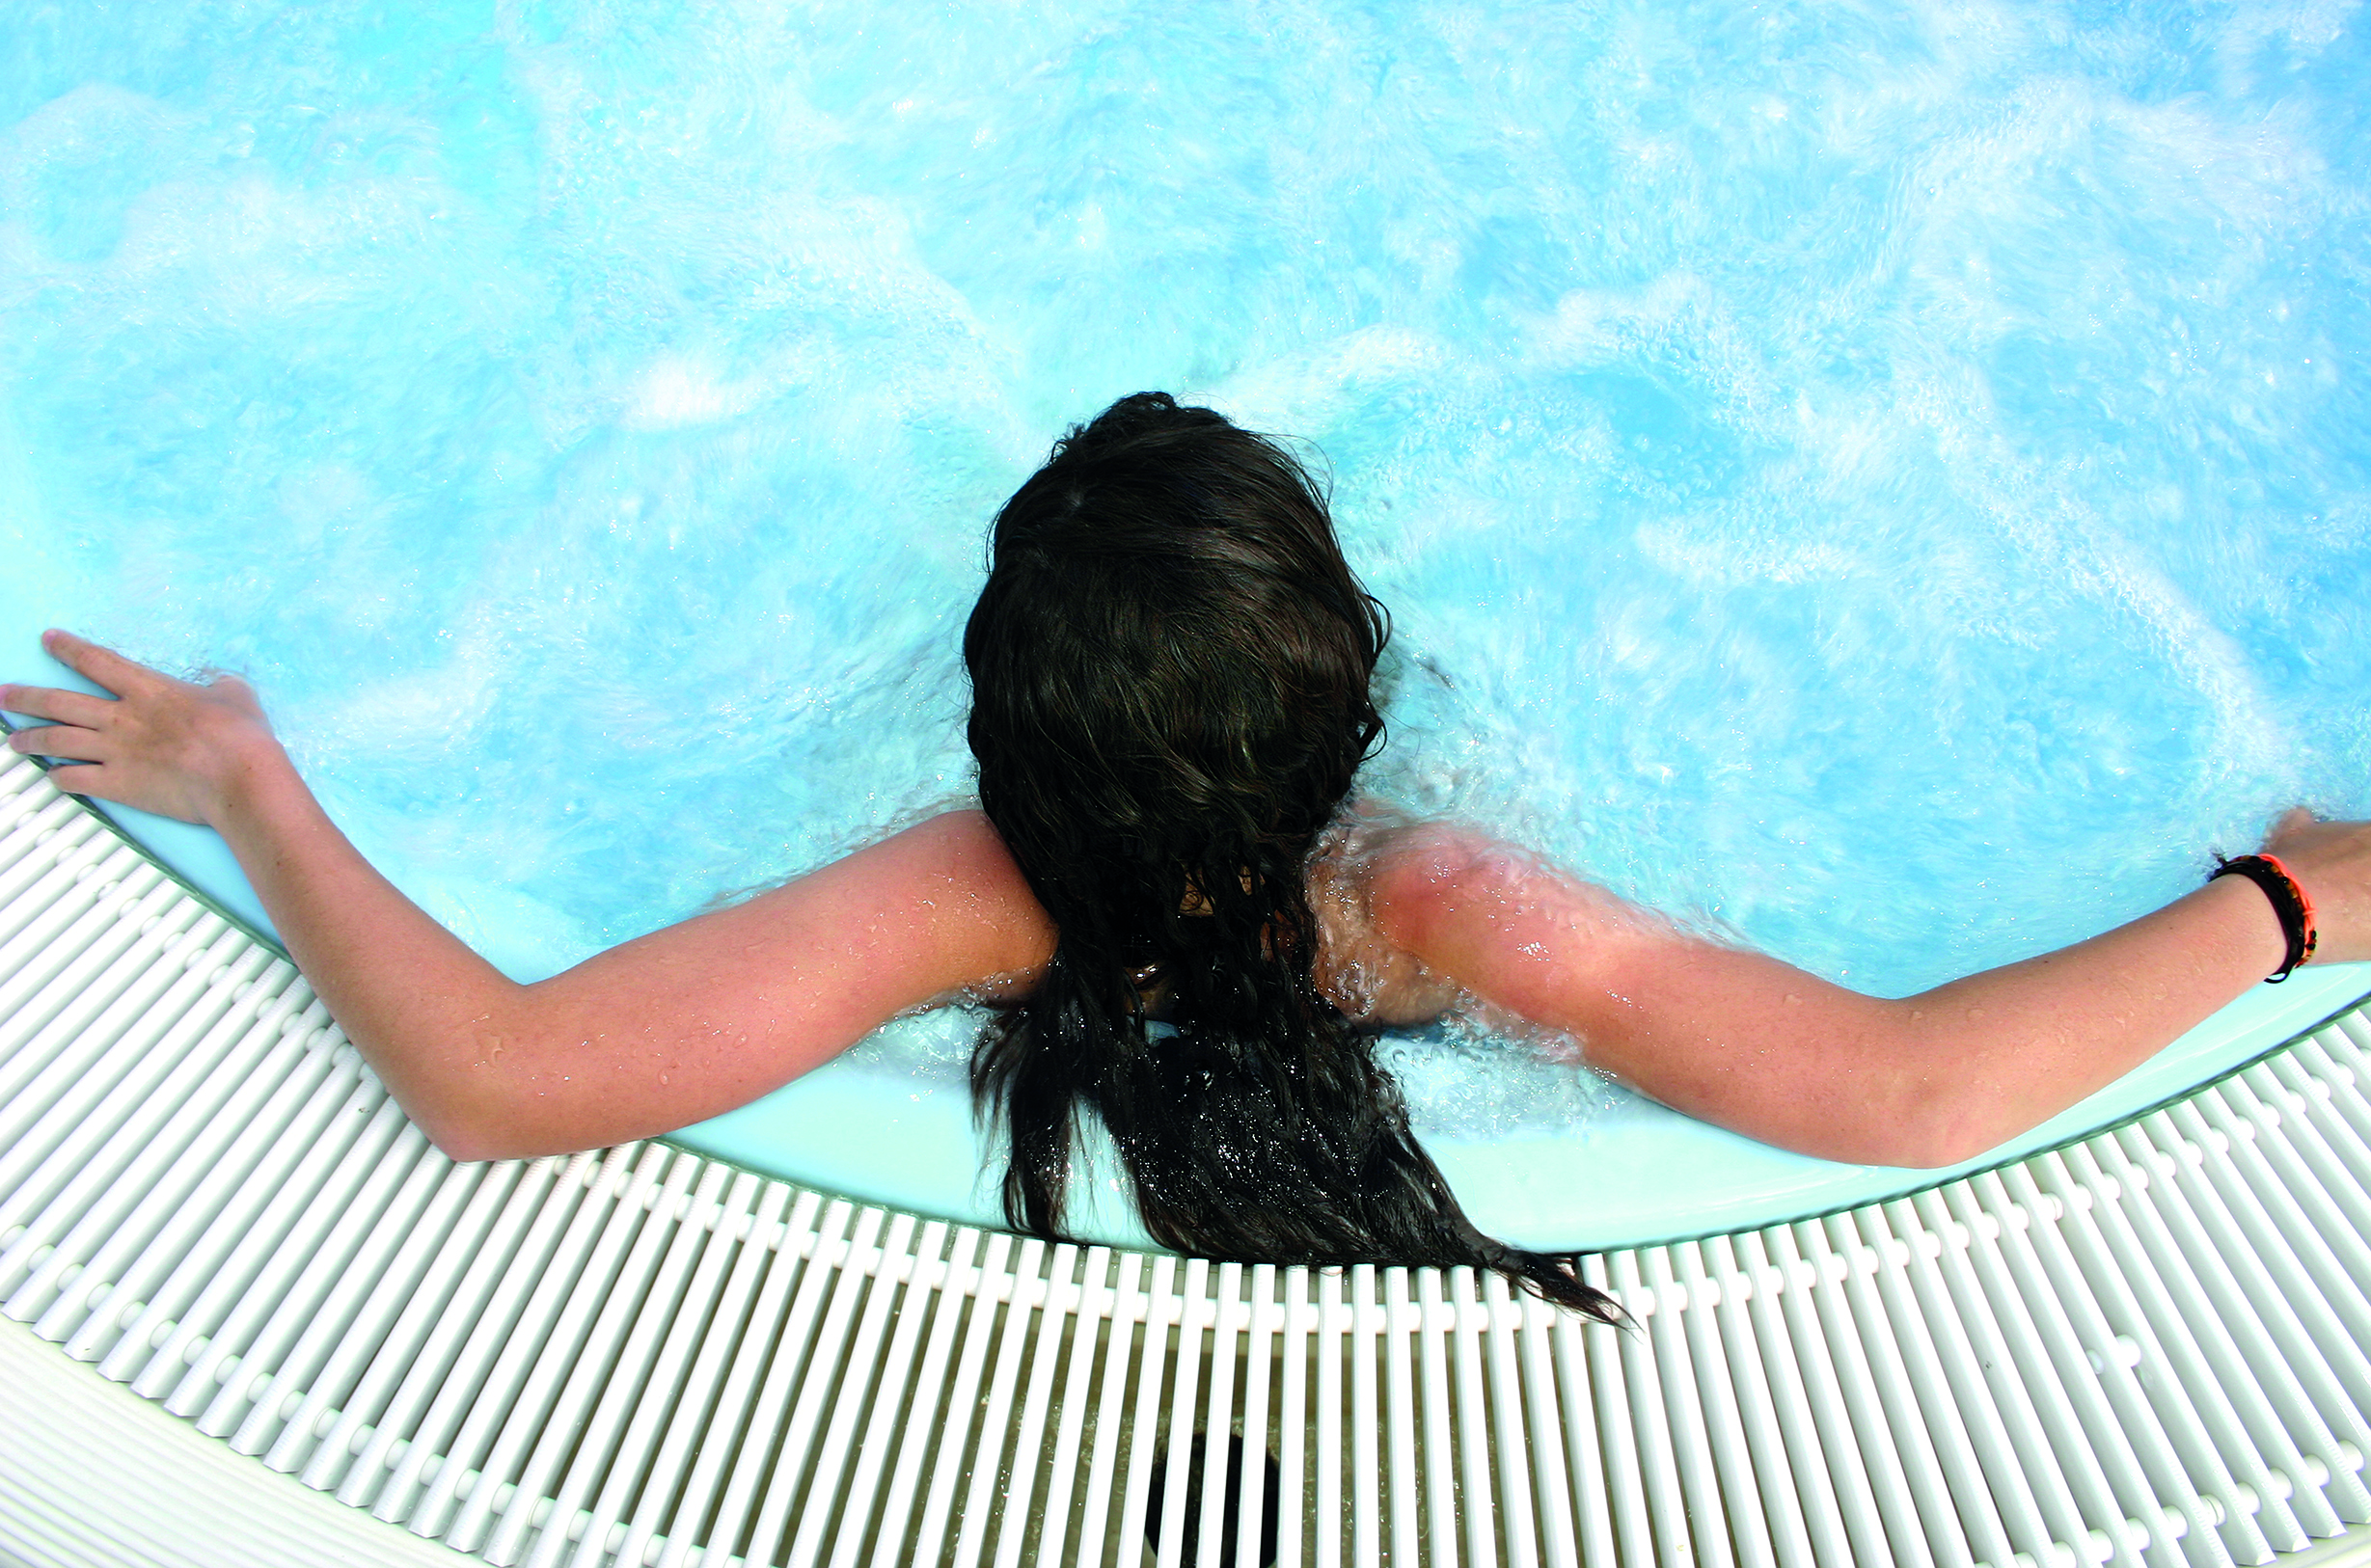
{"points": [[2145, 1347]]}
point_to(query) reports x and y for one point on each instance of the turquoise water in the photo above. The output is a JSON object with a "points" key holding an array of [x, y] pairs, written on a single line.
{"points": [[1891, 484]]}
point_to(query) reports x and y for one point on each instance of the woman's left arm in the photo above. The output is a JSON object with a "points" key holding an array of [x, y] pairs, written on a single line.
{"points": [[675, 1026], [1754, 1044]]}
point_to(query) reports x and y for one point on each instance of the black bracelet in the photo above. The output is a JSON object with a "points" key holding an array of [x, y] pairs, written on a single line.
{"points": [[2289, 902]]}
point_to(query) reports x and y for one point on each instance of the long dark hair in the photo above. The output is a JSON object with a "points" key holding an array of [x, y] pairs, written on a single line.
{"points": [[1171, 667]]}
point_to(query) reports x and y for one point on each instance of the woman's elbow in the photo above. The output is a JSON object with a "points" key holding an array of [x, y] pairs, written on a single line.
{"points": [[469, 1141], [1897, 1146], [483, 1128], [1918, 1111], [1934, 1154], [1935, 1136], [1908, 1126], [496, 1096]]}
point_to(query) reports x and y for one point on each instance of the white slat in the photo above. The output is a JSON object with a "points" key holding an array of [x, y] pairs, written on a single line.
{"points": [[2147, 1347]]}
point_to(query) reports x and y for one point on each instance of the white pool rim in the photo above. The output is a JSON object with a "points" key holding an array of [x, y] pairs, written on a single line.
{"points": [[254, 1317]]}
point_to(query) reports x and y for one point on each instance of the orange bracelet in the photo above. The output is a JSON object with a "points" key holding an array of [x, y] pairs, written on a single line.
{"points": [[2289, 902]]}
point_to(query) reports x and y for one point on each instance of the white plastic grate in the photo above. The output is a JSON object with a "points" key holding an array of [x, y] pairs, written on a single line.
{"points": [[2147, 1347]]}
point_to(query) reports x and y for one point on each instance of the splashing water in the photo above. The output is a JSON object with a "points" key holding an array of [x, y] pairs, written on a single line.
{"points": [[1885, 481]]}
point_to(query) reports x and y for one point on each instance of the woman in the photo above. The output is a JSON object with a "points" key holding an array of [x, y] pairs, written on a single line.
{"points": [[1183, 930]]}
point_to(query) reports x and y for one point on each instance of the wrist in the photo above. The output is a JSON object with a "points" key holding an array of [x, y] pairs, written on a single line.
{"points": [[2253, 927], [250, 776], [2291, 907]]}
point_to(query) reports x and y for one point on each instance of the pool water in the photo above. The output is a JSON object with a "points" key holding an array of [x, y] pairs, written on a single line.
{"points": [[1884, 483]]}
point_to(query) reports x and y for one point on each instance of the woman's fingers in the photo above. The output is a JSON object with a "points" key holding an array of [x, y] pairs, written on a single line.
{"points": [[102, 665], [68, 741], [83, 779], [60, 707], [106, 784]]}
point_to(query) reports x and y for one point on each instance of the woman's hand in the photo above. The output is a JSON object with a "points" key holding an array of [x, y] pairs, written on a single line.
{"points": [[2332, 861], [666, 1029], [164, 746]]}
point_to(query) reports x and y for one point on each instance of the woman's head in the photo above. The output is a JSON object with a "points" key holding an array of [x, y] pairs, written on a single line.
{"points": [[1170, 669], [1170, 672]]}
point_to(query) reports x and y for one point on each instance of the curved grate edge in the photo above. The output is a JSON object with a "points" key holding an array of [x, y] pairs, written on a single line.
{"points": [[2145, 1347]]}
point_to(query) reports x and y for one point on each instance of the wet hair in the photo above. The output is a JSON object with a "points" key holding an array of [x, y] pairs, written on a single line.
{"points": [[1171, 667]]}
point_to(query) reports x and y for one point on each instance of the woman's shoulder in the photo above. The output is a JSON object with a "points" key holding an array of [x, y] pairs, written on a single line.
{"points": [[1400, 901], [1371, 877]]}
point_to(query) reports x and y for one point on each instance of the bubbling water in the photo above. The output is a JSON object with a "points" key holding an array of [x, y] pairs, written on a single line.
{"points": [[1882, 482]]}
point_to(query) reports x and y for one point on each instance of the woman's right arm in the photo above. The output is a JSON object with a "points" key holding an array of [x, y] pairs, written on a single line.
{"points": [[667, 1029], [1747, 1042]]}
